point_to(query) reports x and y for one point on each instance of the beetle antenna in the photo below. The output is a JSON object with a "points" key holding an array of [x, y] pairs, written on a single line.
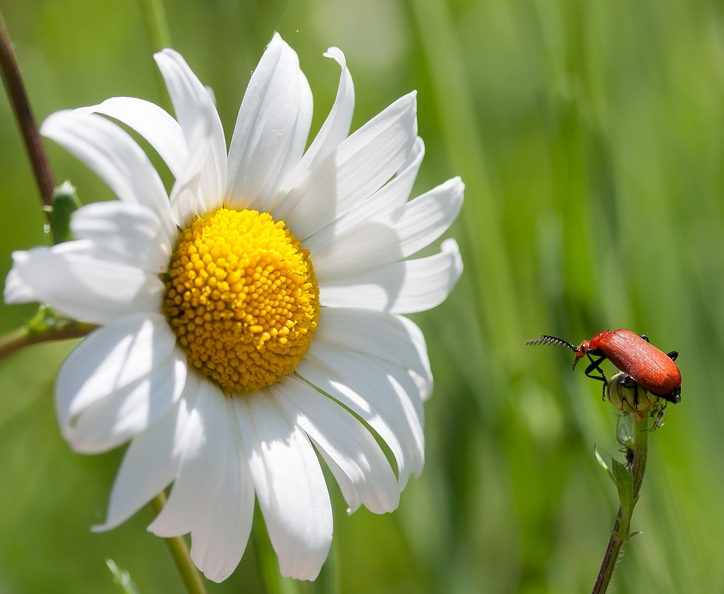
{"points": [[547, 339]]}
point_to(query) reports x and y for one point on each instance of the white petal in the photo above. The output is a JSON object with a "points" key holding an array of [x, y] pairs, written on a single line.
{"points": [[386, 388], [113, 358], [390, 196], [402, 287], [127, 233], [379, 334], [346, 486], [353, 171], [161, 131], [200, 186], [334, 130], [344, 441], [271, 129], [128, 410], [149, 465], [114, 156], [76, 280], [396, 192], [220, 536], [199, 477], [369, 389], [16, 289], [392, 235], [290, 486], [422, 378]]}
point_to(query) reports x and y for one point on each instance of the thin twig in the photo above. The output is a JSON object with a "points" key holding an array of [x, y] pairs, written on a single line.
{"points": [[18, 339], [23, 113]]}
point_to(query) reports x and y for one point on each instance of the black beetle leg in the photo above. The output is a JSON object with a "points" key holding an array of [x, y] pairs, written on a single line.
{"points": [[595, 365]]}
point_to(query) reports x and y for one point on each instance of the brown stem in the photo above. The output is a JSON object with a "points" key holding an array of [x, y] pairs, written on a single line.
{"points": [[24, 115], [613, 550], [22, 337]]}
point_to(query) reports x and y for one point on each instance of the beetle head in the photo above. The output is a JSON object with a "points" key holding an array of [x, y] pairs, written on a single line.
{"points": [[580, 351]]}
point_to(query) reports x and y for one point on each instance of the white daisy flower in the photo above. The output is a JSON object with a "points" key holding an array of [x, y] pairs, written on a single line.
{"points": [[250, 320]]}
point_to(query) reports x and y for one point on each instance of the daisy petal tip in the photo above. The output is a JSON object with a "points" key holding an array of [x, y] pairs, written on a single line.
{"points": [[55, 122], [305, 571], [88, 109], [337, 55], [217, 576], [168, 52], [16, 291], [450, 246], [458, 184], [411, 97], [107, 526], [277, 44], [167, 55], [160, 529]]}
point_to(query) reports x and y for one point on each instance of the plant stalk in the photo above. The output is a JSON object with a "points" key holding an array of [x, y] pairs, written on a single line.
{"points": [[23, 337], [24, 115], [179, 549], [621, 529]]}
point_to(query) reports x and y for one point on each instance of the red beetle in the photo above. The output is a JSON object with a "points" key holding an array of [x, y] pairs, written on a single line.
{"points": [[649, 367]]}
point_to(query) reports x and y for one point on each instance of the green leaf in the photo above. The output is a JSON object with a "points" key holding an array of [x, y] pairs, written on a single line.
{"points": [[122, 578], [624, 485], [602, 464]]}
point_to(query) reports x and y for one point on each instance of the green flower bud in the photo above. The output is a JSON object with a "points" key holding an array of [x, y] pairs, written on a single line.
{"points": [[64, 203], [628, 396]]}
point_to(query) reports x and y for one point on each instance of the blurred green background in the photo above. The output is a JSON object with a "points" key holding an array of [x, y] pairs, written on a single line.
{"points": [[589, 135]]}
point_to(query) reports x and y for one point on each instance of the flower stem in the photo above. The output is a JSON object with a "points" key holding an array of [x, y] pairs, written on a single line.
{"points": [[620, 533], [179, 550], [154, 19], [157, 33], [24, 115], [23, 337]]}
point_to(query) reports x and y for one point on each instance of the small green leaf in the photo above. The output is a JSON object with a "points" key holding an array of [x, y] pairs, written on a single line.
{"points": [[624, 485], [46, 320], [122, 578], [602, 464]]}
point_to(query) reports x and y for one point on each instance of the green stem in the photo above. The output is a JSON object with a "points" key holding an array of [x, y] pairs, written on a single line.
{"points": [[23, 337], [179, 550], [24, 115], [154, 20], [157, 33], [621, 529]]}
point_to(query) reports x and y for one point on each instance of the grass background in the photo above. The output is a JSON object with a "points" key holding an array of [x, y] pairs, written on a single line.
{"points": [[589, 135]]}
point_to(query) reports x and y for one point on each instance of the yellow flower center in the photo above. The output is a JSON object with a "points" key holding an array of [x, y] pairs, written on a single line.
{"points": [[242, 299]]}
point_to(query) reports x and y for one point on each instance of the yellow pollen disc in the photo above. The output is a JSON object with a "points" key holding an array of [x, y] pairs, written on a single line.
{"points": [[242, 298]]}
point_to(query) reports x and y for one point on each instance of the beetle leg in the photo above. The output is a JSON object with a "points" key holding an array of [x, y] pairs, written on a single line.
{"points": [[630, 384], [646, 338], [595, 365], [672, 355], [658, 412]]}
